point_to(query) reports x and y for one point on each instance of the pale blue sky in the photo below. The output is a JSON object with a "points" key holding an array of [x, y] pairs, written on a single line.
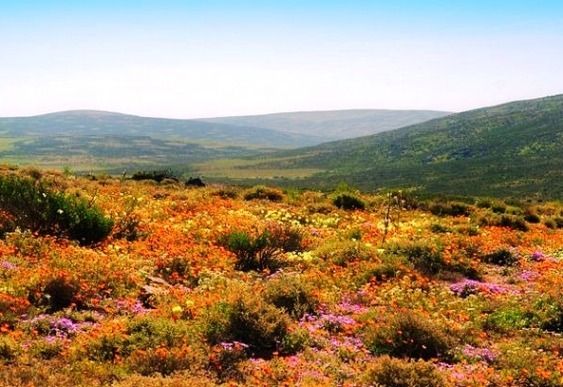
{"points": [[209, 58]]}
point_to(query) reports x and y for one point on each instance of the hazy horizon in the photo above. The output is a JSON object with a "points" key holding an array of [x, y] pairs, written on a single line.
{"points": [[195, 59]]}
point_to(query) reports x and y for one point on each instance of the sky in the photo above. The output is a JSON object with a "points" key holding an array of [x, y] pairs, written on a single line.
{"points": [[190, 59]]}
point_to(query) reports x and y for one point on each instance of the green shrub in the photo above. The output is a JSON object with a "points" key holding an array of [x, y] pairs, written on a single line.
{"points": [[437, 228], [164, 361], [158, 176], [484, 203], [532, 218], [514, 222], [343, 252], [550, 223], [390, 372], [498, 208], [107, 348], [558, 221], [501, 257], [409, 335], [295, 341], [58, 293], [150, 332], [347, 201], [450, 209], [507, 319], [247, 319], [261, 192], [8, 349], [292, 294], [31, 205], [422, 256], [263, 251], [225, 193], [388, 269]]}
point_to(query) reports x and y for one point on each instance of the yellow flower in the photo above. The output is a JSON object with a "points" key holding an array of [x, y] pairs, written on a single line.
{"points": [[177, 309]]}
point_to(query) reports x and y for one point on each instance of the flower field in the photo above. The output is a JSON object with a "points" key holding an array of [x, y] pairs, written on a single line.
{"points": [[226, 285]]}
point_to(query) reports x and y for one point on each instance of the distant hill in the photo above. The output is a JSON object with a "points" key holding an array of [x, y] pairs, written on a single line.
{"points": [[334, 124], [99, 123], [97, 140], [88, 139], [510, 149]]}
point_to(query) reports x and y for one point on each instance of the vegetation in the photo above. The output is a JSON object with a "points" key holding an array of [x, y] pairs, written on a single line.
{"points": [[510, 150], [33, 206], [200, 287]]}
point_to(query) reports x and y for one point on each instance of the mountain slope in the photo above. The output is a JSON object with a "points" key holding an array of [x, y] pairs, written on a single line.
{"points": [[336, 124], [98, 123], [510, 149]]}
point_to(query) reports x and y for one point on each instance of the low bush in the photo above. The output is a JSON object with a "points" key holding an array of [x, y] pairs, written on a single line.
{"points": [[532, 218], [8, 350], [292, 294], [348, 201], [261, 192], [508, 318], [391, 372], [501, 257], [33, 206], [158, 176], [250, 320], [164, 361], [262, 252], [423, 257], [437, 228], [295, 341], [514, 222], [341, 253], [450, 209], [550, 223], [389, 268], [409, 335], [56, 294]]}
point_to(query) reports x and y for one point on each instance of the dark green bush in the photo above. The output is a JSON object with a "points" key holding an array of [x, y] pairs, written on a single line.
{"points": [[498, 208], [423, 257], [8, 349], [514, 222], [292, 294], [450, 209], [437, 228], [347, 201], [408, 335], [157, 176], [58, 293], [261, 192], [250, 320], [295, 341], [501, 257], [263, 251], [33, 206], [390, 372], [531, 217], [559, 222]]}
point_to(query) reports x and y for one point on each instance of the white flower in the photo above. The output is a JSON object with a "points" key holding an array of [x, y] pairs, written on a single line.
{"points": [[59, 211]]}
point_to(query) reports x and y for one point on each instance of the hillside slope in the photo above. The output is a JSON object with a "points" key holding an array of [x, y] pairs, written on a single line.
{"points": [[99, 123], [335, 124], [510, 149]]}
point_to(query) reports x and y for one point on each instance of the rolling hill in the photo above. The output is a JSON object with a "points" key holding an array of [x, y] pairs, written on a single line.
{"points": [[99, 123], [335, 124], [510, 149], [98, 140]]}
